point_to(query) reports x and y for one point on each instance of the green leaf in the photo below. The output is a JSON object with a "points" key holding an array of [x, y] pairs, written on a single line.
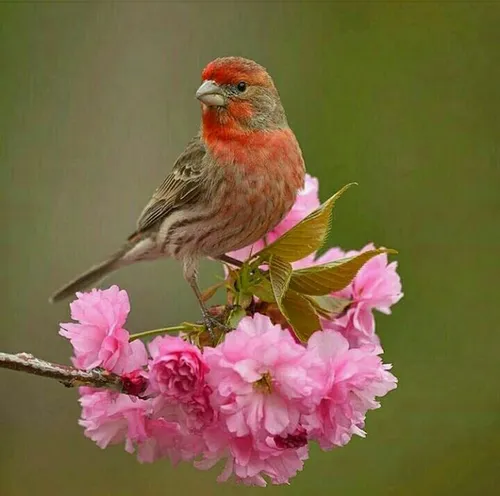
{"points": [[300, 313], [244, 299], [263, 290], [334, 276], [235, 316], [238, 283], [307, 236], [210, 291], [280, 272], [329, 306]]}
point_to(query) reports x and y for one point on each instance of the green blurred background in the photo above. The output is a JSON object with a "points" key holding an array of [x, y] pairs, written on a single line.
{"points": [[96, 102]]}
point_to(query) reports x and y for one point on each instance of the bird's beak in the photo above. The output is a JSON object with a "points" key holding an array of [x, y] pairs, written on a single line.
{"points": [[210, 93]]}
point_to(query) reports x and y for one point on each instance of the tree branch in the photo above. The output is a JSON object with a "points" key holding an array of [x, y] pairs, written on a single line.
{"points": [[73, 377]]}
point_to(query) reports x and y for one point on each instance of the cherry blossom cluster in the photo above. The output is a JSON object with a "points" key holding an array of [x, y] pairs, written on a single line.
{"points": [[258, 399]]}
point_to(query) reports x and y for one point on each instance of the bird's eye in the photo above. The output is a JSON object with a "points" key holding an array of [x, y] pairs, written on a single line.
{"points": [[241, 86]]}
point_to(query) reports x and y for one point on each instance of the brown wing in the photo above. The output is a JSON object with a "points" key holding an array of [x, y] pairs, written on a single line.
{"points": [[181, 186]]}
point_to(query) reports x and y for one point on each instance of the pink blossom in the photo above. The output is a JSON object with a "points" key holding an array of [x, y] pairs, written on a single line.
{"points": [[170, 432], [249, 459], [377, 286], [307, 201], [160, 441], [106, 309], [166, 439], [353, 379], [261, 379], [177, 368], [257, 399], [193, 413], [99, 339], [197, 412], [113, 418]]}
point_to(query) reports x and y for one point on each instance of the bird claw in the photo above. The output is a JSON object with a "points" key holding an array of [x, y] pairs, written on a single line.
{"points": [[211, 324]]}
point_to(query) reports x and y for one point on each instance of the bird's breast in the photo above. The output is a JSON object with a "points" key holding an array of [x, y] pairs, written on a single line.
{"points": [[249, 188], [260, 180]]}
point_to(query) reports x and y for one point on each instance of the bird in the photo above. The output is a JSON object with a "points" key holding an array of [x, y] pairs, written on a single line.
{"points": [[234, 182]]}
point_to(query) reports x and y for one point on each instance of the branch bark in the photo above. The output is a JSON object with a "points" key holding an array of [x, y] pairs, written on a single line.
{"points": [[71, 376]]}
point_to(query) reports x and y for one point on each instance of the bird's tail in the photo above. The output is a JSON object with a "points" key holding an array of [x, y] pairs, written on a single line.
{"points": [[92, 276]]}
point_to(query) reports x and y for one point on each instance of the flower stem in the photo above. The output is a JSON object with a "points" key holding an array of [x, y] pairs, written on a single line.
{"points": [[163, 330]]}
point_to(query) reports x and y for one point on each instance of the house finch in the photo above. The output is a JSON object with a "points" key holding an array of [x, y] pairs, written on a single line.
{"points": [[234, 182]]}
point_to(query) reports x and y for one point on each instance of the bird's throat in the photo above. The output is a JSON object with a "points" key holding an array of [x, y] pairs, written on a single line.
{"points": [[218, 124]]}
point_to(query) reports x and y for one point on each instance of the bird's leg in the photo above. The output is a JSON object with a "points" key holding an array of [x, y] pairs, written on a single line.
{"points": [[191, 276], [230, 260]]}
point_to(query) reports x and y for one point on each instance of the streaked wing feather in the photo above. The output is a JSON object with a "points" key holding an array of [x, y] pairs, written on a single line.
{"points": [[180, 187]]}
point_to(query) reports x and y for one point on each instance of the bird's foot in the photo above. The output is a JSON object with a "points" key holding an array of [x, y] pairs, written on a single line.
{"points": [[213, 324]]}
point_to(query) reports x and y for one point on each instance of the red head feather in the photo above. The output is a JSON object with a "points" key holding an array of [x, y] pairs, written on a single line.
{"points": [[232, 70], [232, 122], [253, 149]]}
